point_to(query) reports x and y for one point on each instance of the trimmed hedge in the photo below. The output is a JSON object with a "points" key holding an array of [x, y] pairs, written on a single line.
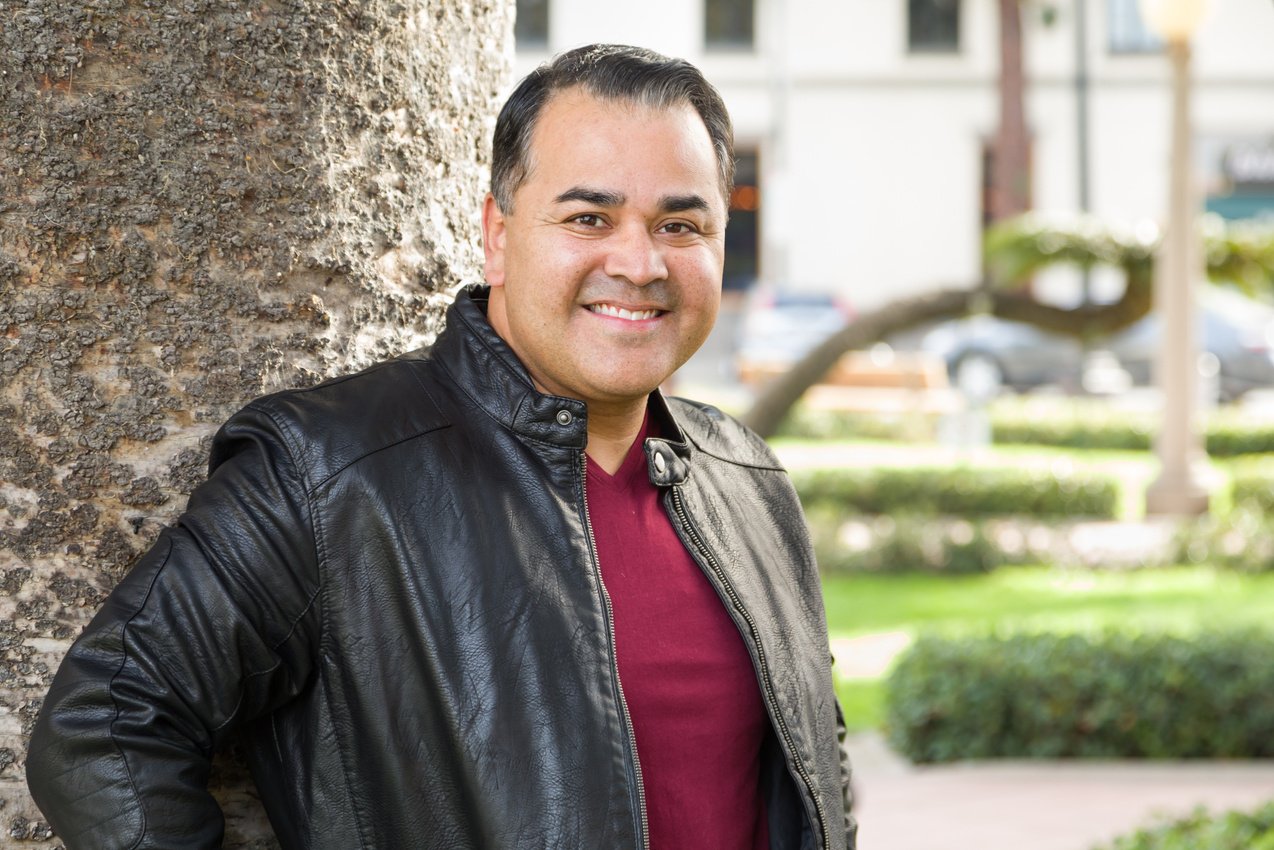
{"points": [[1201, 831], [961, 490], [911, 544], [1069, 428], [1235, 436], [1254, 485], [811, 423], [1097, 426], [1109, 696], [944, 545], [1071, 423], [1242, 540]]}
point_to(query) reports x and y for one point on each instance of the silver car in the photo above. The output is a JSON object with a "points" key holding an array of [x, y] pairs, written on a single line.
{"points": [[984, 353]]}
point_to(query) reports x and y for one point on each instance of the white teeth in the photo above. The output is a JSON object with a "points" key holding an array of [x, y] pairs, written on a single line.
{"points": [[621, 313]]}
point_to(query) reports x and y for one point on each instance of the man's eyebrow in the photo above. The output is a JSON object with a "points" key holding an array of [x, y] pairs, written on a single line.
{"points": [[596, 197], [682, 203], [604, 198]]}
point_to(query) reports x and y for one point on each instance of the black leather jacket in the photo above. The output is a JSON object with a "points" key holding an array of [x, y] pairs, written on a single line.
{"points": [[388, 585]]}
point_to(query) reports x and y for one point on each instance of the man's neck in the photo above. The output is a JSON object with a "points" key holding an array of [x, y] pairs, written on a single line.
{"points": [[611, 432]]}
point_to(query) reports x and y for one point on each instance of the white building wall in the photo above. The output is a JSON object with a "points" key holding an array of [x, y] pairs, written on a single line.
{"points": [[881, 213], [1236, 42], [673, 27], [871, 157]]}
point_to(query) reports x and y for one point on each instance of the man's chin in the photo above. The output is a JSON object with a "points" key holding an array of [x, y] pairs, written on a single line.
{"points": [[628, 393]]}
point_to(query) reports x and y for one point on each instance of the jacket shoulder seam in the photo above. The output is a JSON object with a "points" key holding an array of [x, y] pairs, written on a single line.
{"points": [[302, 474], [761, 456], [320, 554], [292, 444]]}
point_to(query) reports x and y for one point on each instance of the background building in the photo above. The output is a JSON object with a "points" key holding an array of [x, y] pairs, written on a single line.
{"points": [[863, 126]]}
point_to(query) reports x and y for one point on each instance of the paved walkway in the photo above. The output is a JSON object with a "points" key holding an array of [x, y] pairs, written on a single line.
{"points": [[1025, 805]]}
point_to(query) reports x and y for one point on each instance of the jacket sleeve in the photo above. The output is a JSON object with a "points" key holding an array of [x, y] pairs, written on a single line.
{"points": [[213, 626], [846, 775]]}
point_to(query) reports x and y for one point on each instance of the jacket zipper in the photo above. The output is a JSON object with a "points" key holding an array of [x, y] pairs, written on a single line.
{"points": [[767, 686], [614, 660]]}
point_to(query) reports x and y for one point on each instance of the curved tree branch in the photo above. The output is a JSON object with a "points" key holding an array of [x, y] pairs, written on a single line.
{"points": [[779, 395]]}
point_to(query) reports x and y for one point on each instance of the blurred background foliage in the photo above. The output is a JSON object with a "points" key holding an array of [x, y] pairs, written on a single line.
{"points": [[1106, 695], [1233, 830], [1237, 252], [1039, 533]]}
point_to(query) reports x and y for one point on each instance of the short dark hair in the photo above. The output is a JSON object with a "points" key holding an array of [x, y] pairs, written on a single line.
{"points": [[608, 72]]}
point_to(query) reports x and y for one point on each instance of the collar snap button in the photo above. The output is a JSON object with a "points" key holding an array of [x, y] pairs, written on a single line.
{"points": [[564, 417], [661, 465]]}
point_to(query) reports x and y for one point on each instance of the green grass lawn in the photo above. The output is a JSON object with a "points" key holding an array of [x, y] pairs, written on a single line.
{"points": [[1181, 600]]}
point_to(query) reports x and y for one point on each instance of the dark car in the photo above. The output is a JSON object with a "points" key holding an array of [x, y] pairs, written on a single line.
{"points": [[984, 353]]}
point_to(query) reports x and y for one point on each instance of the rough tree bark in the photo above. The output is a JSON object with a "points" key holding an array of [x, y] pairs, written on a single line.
{"points": [[202, 201]]}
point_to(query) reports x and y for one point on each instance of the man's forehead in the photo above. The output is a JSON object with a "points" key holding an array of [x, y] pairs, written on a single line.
{"points": [[565, 104], [578, 97]]}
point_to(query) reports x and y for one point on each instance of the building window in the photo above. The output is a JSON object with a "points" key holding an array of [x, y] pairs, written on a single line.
{"points": [[729, 24], [741, 237], [531, 26], [933, 26], [1128, 33]]}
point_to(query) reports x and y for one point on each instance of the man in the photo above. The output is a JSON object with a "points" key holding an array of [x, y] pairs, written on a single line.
{"points": [[500, 593]]}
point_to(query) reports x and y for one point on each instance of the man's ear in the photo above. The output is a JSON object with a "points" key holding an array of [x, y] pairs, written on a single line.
{"points": [[493, 241]]}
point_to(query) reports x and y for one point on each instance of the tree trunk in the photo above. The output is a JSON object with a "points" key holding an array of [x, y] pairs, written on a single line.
{"points": [[1011, 150], [203, 201]]}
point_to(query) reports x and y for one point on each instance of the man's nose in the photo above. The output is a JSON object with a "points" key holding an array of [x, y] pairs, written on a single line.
{"points": [[634, 254]]}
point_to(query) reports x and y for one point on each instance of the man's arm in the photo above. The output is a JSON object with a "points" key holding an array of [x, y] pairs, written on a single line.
{"points": [[846, 776], [213, 626]]}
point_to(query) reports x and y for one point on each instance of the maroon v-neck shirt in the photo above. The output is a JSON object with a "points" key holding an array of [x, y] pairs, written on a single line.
{"points": [[690, 687]]}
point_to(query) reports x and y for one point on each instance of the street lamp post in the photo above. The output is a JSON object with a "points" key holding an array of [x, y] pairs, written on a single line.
{"points": [[1179, 489]]}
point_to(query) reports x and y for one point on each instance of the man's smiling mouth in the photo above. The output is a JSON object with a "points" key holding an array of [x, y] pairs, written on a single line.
{"points": [[622, 313]]}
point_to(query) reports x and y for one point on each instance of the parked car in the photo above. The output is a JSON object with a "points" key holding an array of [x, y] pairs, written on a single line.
{"points": [[779, 327], [985, 353]]}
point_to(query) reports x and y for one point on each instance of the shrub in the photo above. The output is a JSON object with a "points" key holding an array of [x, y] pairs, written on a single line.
{"points": [[1233, 436], [1201, 831], [909, 544], [960, 490], [1242, 540], [1253, 484], [1109, 696], [1097, 425], [812, 423], [1064, 423], [953, 545], [1072, 427]]}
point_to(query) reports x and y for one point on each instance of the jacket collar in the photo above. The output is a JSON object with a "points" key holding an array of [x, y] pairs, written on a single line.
{"points": [[668, 455], [486, 369]]}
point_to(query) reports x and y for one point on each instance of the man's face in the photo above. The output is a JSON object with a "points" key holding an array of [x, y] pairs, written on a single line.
{"points": [[606, 274]]}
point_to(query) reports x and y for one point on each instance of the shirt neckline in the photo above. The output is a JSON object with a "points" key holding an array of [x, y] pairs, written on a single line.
{"points": [[633, 469]]}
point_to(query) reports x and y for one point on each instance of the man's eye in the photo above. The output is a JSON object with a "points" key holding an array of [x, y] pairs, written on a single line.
{"points": [[588, 220], [677, 228]]}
